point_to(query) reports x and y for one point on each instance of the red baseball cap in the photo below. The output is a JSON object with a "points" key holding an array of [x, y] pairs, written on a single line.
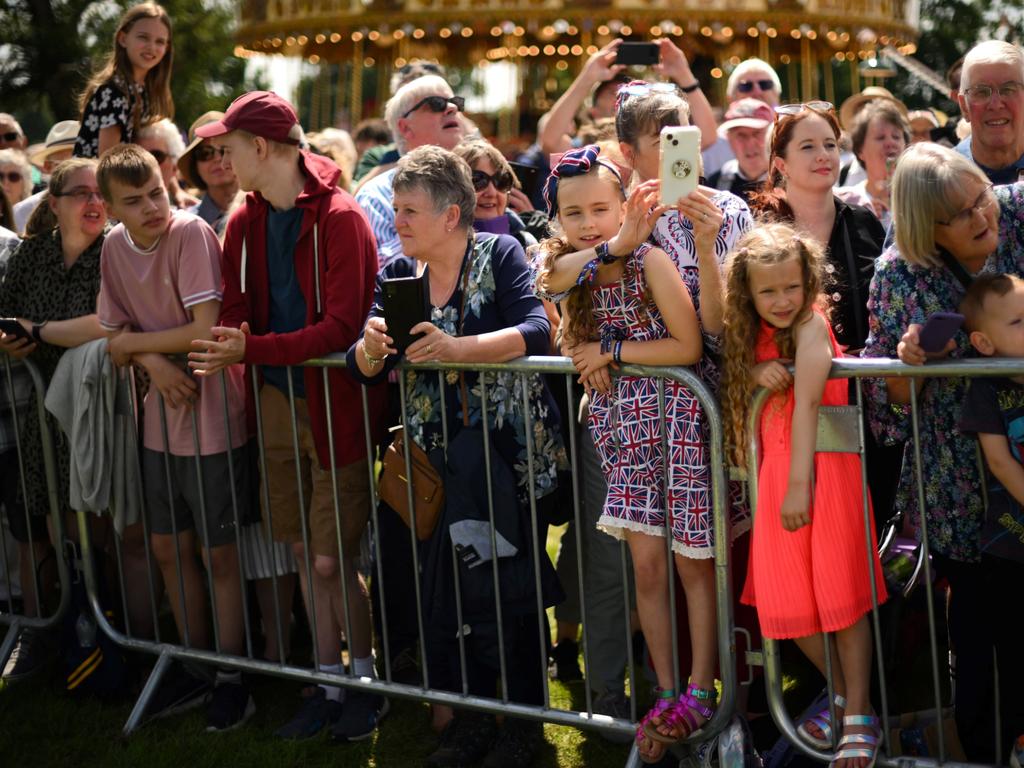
{"points": [[261, 113]]}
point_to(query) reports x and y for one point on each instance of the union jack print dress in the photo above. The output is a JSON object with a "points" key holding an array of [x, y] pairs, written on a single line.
{"points": [[627, 431]]}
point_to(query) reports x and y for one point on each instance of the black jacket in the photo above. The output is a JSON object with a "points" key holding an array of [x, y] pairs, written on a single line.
{"points": [[856, 242]]}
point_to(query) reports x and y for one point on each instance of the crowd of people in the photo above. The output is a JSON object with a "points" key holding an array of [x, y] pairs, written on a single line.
{"points": [[211, 270]]}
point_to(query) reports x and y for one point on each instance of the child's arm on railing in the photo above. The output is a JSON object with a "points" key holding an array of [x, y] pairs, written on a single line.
{"points": [[1002, 464]]}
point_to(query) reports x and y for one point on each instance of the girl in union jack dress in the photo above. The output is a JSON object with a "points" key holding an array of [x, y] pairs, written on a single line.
{"points": [[625, 302]]}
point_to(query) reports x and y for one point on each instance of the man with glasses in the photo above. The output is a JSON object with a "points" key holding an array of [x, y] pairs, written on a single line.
{"points": [[751, 79], [991, 99], [422, 112]]}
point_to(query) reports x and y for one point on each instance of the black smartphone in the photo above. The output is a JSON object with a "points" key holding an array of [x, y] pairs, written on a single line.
{"points": [[938, 329], [406, 302], [12, 327], [638, 54], [528, 176]]}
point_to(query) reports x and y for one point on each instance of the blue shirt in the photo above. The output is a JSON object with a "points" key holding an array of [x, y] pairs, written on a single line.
{"points": [[287, 304], [377, 199], [1007, 175]]}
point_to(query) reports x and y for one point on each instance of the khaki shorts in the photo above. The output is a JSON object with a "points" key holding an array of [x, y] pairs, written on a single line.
{"points": [[284, 518]]}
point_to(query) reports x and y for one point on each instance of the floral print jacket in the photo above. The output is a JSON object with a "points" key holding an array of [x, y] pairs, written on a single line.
{"points": [[498, 295], [902, 293]]}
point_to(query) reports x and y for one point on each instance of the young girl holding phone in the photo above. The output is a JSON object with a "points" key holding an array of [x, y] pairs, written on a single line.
{"points": [[133, 88], [810, 562], [625, 303]]}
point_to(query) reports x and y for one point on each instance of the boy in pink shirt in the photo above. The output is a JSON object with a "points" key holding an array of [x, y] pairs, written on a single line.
{"points": [[160, 288]]}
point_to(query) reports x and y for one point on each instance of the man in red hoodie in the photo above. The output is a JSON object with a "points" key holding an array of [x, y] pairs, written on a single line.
{"points": [[299, 269]]}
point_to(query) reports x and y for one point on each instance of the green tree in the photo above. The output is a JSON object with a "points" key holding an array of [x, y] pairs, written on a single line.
{"points": [[49, 48]]}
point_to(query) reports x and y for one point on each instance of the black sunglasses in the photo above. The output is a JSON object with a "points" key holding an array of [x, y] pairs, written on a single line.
{"points": [[502, 181], [746, 86], [206, 152], [159, 155], [12, 176], [438, 104], [12, 136]]}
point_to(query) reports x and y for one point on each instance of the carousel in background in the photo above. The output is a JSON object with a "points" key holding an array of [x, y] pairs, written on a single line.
{"points": [[821, 48]]}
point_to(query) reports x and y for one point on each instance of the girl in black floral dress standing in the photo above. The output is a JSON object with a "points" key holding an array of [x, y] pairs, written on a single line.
{"points": [[133, 88]]}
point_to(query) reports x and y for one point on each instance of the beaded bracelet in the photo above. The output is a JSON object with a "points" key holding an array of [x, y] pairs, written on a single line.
{"points": [[589, 272], [617, 352]]}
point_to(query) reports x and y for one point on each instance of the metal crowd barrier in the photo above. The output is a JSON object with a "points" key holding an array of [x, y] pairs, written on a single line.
{"points": [[841, 429], [166, 650], [15, 622]]}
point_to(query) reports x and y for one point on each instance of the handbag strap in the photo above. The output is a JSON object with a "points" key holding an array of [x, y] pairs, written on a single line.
{"points": [[962, 275]]}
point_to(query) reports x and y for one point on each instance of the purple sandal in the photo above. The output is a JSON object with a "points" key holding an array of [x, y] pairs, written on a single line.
{"points": [[682, 717], [663, 705]]}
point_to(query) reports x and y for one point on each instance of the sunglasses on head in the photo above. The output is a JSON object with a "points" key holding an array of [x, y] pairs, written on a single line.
{"points": [[159, 155], [206, 152], [746, 86], [10, 136], [788, 110], [438, 104], [502, 181], [12, 176]]}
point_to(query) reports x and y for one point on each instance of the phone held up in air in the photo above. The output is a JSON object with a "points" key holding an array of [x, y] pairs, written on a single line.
{"points": [[638, 54], [938, 329], [529, 177], [12, 327], [406, 302], [680, 162]]}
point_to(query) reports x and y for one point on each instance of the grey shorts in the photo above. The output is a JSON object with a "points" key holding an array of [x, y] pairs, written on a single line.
{"points": [[186, 499]]}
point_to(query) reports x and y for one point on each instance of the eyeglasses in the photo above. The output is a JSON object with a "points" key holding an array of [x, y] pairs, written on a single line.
{"points": [[81, 194], [12, 176], [982, 93], [984, 202], [206, 152], [438, 104], [746, 86], [10, 136], [159, 155], [788, 110], [502, 181]]}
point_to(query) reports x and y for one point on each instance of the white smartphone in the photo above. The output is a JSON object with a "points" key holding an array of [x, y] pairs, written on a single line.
{"points": [[680, 162]]}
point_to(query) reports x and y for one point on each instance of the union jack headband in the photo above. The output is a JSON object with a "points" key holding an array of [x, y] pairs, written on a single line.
{"points": [[575, 162]]}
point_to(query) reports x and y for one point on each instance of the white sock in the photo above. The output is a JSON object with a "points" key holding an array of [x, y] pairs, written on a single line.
{"points": [[333, 692], [364, 667]]}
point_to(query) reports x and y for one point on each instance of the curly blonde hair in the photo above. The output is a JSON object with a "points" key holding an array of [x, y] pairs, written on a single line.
{"points": [[766, 245]]}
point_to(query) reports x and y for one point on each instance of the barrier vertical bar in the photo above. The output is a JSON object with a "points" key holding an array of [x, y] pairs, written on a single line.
{"points": [[343, 572], [174, 520], [147, 544], [265, 487], [575, 465], [412, 531], [534, 538], [204, 521], [306, 554], [374, 516], [499, 614], [670, 562], [243, 584], [926, 556]]}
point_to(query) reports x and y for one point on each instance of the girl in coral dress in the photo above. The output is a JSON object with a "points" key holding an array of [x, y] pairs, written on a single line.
{"points": [[810, 563]]}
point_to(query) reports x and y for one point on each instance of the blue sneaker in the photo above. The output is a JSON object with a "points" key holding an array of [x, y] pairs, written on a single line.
{"points": [[360, 716], [316, 713]]}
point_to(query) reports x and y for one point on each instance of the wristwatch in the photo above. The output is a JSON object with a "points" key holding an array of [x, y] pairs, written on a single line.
{"points": [[36, 331], [603, 255]]}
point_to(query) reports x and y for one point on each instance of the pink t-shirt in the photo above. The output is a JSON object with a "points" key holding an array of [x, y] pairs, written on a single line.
{"points": [[152, 290]]}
